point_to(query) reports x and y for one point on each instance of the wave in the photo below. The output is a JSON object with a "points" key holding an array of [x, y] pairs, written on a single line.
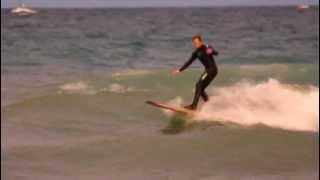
{"points": [[74, 86], [130, 72], [271, 103], [82, 87]]}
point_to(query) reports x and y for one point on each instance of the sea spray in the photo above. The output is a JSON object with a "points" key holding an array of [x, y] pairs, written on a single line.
{"points": [[270, 103], [178, 101]]}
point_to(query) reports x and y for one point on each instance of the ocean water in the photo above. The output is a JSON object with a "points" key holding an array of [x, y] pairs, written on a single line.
{"points": [[74, 84]]}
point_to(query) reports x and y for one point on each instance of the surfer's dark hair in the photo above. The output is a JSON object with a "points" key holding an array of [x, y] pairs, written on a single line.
{"points": [[196, 37]]}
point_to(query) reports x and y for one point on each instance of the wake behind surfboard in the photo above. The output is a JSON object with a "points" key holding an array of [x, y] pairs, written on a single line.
{"points": [[175, 109]]}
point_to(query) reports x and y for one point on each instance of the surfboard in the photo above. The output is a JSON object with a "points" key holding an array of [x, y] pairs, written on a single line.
{"points": [[175, 109]]}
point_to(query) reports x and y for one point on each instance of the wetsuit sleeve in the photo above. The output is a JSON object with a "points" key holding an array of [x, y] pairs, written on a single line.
{"points": [[214, 51], [187, 64]]}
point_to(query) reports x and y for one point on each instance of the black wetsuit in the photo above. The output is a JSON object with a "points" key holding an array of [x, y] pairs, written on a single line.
{"points": [[210, 73]]}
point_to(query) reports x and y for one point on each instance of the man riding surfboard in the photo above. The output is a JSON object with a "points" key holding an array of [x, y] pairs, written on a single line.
{"points": [[205, 54]]}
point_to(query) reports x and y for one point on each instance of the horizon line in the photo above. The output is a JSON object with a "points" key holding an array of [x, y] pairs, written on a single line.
{"points": [[171, 6]]}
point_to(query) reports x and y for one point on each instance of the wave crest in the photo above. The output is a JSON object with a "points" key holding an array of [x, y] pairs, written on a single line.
{"points": [[270, 103]]}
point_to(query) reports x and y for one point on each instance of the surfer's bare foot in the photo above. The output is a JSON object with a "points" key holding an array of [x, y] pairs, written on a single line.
{"points": [[189, 107]]}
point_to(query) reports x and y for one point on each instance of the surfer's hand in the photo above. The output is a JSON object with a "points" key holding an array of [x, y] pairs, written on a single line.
{"points": [[209, 51], [175, 72]]}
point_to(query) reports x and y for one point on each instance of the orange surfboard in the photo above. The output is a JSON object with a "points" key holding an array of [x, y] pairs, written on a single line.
{"points": [[176, 109]]}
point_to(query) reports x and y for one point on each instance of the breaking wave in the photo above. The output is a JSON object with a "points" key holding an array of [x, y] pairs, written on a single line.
{"points": [[270, 103]]}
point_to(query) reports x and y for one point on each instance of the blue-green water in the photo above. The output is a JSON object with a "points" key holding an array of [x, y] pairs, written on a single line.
{"points": [[74, 83]]}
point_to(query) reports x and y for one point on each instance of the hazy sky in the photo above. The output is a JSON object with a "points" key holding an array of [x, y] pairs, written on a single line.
{"points": [[143, 3]]}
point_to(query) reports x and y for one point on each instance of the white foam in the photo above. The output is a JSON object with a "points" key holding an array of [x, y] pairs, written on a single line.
{"points": [[130, 72], [84, 88], [117, 88], [75, 86], [270, 103]]}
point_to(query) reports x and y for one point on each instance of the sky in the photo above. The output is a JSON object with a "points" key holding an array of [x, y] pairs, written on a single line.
{"points": [[150, 3]]}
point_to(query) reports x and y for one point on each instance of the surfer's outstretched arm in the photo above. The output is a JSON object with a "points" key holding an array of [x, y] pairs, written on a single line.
{"points": [[187, 64]]}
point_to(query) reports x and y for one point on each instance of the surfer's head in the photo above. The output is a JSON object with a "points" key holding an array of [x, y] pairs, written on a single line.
{"points": [[197, 41]]}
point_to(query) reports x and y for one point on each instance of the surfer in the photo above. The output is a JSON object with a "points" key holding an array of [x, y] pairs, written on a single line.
{"points": [[205, 54]]}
